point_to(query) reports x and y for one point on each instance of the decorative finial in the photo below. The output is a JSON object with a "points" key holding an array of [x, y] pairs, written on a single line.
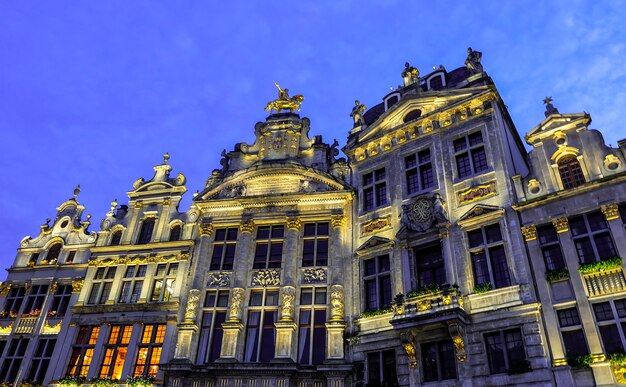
{"points": [[76, 191], [166, 158], [88, 216], [114, 204], [550, 109], [47, 222], [284, 101]]}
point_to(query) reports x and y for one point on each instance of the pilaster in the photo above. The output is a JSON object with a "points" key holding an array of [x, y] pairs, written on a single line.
{"points": [[290, 252]]}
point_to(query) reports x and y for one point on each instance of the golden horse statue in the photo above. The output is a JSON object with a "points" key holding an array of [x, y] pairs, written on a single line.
{"points": [[284, 102]]}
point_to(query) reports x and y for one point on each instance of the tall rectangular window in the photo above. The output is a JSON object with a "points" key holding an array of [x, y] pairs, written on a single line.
{"points": [[132, 284], [13, 302], [438, 360], [470, 155], [35, 299], [149, 350], [224, 249], [60, 301], [381, 368], [312, 326], [592, 238], [82, 351], [13, 359], [550, 248], [102, 284], [164, 282], [429, 266], [115, 351], [260, 329], [374, 189], [505, 352], [269, 247], [419, 172], [488, 257], [377, 280], [211, 331], [574, 339], [145, 232], [611, 322], [315, 244], [41, 359]]}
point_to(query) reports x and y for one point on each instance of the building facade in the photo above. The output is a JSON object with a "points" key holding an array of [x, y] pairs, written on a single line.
{"points": [[440, 252]]}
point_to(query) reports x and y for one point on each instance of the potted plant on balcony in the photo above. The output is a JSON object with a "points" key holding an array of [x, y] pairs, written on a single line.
{"points": [[35, 312], [140, 381], [29, 383], [103, 382], [4, 383], [71, 381], [600, 266], [13, 313]]}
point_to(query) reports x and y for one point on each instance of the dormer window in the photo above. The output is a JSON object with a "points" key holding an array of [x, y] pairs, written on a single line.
{"points": [[175, 233], [436, 82], [145, 234], [571, 173], [116, 238], [391, 100], [53, 254]]}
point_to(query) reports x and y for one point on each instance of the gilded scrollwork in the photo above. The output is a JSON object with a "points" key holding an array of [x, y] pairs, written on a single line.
{"points": [[269, 277], [337, 220], [206, 229], [77, 285], [247, 226], [560, 224], [337, 303], [288, 301], [610, 211], [5, 289], [314, 276], [294, 223], [236, 304], [53, 287], [529, 232], [408, 343]]}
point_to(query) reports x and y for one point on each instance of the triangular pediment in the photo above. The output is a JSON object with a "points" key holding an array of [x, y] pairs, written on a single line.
{"points": [[557, 122], [374, 243], [480, 212]]}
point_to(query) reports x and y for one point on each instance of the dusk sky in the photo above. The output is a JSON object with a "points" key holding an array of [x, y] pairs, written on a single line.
{"points": [[93, 93]]}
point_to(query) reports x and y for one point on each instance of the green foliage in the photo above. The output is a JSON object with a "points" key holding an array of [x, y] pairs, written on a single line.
{"points": [[71, 381], [580, 361], [482, 288], [557, 275], [4, 383], [618, 359], [376, 312], [103, 382], [600, 266], [428, 289], [140, 381]]}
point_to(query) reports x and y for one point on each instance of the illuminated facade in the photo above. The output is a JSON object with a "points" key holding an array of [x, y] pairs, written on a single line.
{"points": [[441, 253]]}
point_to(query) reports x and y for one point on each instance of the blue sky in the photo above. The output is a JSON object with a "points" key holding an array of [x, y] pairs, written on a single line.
{"points": [[95, 92]]}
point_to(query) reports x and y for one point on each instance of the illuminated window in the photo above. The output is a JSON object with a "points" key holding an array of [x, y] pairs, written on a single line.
{"points": [[60, 301], [571, 173], [470, 155], [374, 189], [260, 329], [505, 352], [115, 351], [211, 332], [175, 233], [13, 302], [488, 257], [312, 326], [36, 297], [269, 247], [550, 248], [116, 238], [315, 244], [224, 249], [145, 233], [592, 238], [429, 265], [149, 350], [13, 359], [82, 351], [439, 361], [41, 360], [611, 321], [381, 368], [132, 284], [53, 254], [377, 280], [102, 285], [164, 282], [419, 172], [574, 339]]}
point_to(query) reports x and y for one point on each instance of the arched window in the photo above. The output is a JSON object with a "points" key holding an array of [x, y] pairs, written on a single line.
{"points": [[413, 114], [116, 238], [145, 234], [53, 253], [175, 233], [571, 172]]}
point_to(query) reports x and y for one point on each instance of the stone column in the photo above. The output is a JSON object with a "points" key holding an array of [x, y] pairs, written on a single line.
{"points": [[160, 226], [188, 327], [99, 349], [336, 325], [133, 215], [285, 326], [201, 260], [241, 270], [611, 213], [135, 338], [290, 250], [233, 326], [448, 257], [336, 249]]}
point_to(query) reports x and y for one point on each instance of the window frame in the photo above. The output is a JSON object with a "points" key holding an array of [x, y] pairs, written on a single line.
{"points": [[506, 352], [154, 343], [144, 234], [318, 241], [315, 329], [418, 167], [566, 170], [378, 276], [487, 249], [616, 320], [384, 370], [573, 327], [268, 262], [40, 359], [591, 236], [13, 358], [440, 360], [115, 346], [376, 185], [471, 151], [216, 311], [226, 262], [83, 351], [548, 240], [134, 282], [255, 353], [167, 280], [101, 285]]}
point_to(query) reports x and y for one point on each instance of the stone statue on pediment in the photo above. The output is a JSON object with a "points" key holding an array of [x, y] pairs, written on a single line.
{"points": [[473, 61], [410, 74], [357, 113]]}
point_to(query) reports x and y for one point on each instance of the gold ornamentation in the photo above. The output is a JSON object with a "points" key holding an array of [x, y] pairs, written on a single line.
{"points": [[192, 305], [218, 280], [77, 286], [206, 229], [284, 101], [408, 343], [610, 211], [48, 329], [5, 289], [287, 305], [167, 201], [314, 276], [459, 346], [138, 203], [376, 225], [560, 224], [423, 305], [447, 299], [236, 305], [619, 371], [294, 223], [398, 310], [247, 226], [337, 303], [4, 331], [337, 220], [53, 287], [477, 193], [138, 259], [529, 232], [559, 362], [444, 232], [268, 277]]}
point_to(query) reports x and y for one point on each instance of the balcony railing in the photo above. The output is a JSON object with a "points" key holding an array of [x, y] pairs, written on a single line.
{"points": [[440, 305], [605, 282], [25, 325]]}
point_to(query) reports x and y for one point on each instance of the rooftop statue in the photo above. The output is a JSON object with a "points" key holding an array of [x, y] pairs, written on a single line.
{"points": [[284, 102], [410, 74], [550, 109], [473, 61], [357, 113]]}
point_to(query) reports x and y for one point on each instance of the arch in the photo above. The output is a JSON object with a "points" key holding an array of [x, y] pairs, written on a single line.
{"points": [[564, 151], [176, 232], [53, 253], [116, 238], [412, 115], [570, 172]]}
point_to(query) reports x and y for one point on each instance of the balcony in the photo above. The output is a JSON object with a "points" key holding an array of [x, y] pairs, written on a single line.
{"points": [[25, 325], [434, 308], [604, 282]]}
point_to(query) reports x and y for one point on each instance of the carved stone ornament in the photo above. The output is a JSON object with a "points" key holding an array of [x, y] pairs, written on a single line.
{"points": [[337, 220], [457, 333], [529, 232], [337, 303], [477, 193], [422, 212], [560, 224], [314, 276], [269, 277], [376, 225], [5, 289], [206, 229], [192, 305], [218, 280], [287, 304], [233, 192], [610, 211], [294, 223], [77, 286], [236, 304], [408, 343], [53, 287], [247, 226]]}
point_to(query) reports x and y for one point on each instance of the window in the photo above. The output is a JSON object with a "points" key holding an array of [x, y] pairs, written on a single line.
{"points": [[374, 189], [116, 238], [470, 155], [41, 360], [149, 350], [132, 284], [60, 301], [611, 321], [32, 261], [164, 282], [53, 254], [505, 352], [550, 248], [70, 257], [488, 257], [211, 332], [377, 279], [102, 284], [315, 244], [439, 361], [412, 115], [82, 351], [260, 332], [312, 326], [572, 332], [592, 238], [419, 172], [13, 359], [269, 247], [13, 302], [175, 233], [571, 173], [436, 83], [429, 266], [115, 351], [381, 368], [145, 233], [224, 249], [35, 300]]}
